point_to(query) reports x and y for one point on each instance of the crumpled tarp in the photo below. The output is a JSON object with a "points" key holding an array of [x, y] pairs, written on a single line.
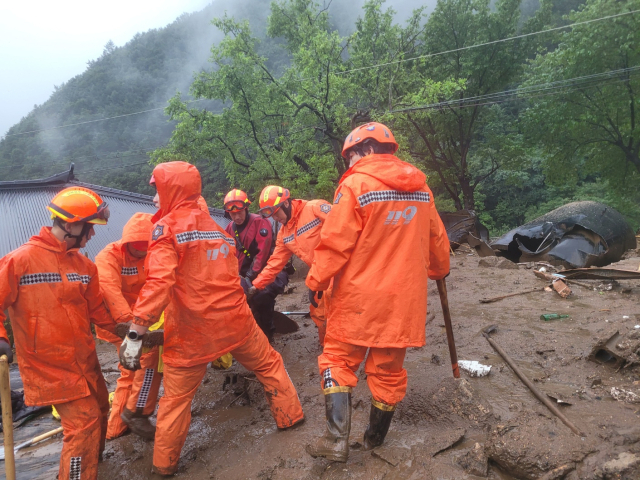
{"points": [[463, 226], [23, 412], [579, 234]]}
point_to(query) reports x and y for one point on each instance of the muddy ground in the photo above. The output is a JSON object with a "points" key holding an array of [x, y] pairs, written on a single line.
{"points": [[487, 427]]}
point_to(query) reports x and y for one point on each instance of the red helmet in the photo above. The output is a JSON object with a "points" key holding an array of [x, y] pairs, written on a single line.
{"points": [[236, 200], [271, 199], [369, 131], [79, 204]]}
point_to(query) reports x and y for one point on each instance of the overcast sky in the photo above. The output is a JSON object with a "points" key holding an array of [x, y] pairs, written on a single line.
{"points": [[46, 43]]}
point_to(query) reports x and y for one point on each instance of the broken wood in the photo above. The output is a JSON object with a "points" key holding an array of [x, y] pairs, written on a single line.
{"points": [[551, 277], [495, 299], [561, 288], [539, 395]]}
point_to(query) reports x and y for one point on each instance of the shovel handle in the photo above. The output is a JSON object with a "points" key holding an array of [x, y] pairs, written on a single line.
{"points": [[44, 436], [7, 419], [442, 290]]}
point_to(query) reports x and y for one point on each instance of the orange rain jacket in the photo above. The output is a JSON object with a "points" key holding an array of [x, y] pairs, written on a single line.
{"points": [[298, 237], [381, 241], [192, 271], [53, 296], [121, 274]]}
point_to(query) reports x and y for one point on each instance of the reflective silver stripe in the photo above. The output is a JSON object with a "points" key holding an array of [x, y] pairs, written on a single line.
{"points": [[146, 386], [393, 196], [75, 468], [305, 228], [34, 278], [76, 277], [129, 271], [196, 235]]}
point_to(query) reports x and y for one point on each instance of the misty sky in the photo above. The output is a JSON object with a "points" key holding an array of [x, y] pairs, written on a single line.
{"points": [[43, 43]]}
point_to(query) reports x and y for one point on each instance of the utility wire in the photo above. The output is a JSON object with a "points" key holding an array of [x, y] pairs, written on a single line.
{"points": [[98, 120], [354, 69], [429, 55], [570, 83]]}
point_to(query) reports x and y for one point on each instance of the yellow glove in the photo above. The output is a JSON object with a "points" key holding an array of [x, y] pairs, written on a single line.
{"points": [[224, 362]]}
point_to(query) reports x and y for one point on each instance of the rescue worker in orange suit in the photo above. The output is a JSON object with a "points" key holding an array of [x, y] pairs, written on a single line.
{"points": [[301, 222], [53, 295], [380, 244], [192, 272], [254, 238], [122, 274]]}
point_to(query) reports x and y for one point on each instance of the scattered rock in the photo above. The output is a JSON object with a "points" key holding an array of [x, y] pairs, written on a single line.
{"points": [[535, 446], [475, 461], [624, 395], [445, 441], [507, 264], [489, 262], [391, 454], [625, 462]]}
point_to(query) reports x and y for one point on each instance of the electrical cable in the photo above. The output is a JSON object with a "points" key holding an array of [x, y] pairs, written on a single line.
{"points": [[555, 85]]}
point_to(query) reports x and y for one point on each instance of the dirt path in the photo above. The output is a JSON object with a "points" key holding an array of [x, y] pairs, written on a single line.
{"points": [[473, 428]]}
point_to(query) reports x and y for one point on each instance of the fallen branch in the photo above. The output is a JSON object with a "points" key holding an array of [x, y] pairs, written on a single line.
{"points": [[495, 299]]}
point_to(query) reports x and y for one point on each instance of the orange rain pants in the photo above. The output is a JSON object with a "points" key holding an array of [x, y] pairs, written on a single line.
{"points": [[386, 378], [137, 391], [85, 423], [181, 383]]}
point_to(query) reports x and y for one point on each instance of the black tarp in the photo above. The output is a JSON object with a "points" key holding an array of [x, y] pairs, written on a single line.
{"points": [[579, 234]]}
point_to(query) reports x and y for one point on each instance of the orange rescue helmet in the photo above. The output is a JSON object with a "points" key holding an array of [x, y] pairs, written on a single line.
{"points": [[236, 200], [271, 199], [369, 131], [79, 204]]}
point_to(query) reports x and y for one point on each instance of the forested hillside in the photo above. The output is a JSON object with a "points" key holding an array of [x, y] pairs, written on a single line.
{"points": [[504, 119]]}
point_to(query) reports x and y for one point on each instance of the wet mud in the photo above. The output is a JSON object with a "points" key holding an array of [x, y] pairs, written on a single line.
{"points": [[486, 427]]}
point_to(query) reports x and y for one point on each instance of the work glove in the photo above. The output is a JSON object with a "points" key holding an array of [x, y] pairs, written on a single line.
{"points": [[251, 292], [122, 329], [312, 299], [131, 350], [5, 349], [289, 268], [245, 283]]}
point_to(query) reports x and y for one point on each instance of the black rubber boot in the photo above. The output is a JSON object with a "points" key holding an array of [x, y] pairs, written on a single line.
{"points": [[138, 424], [379, 421], [334, 445]]}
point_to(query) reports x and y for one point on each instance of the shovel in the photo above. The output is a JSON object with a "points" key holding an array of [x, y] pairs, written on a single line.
{"points": [[28, 443]]}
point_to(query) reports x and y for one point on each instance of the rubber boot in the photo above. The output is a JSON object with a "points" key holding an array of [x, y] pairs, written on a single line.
{"points": [[379, 422], [138, 424], [334, 445]]}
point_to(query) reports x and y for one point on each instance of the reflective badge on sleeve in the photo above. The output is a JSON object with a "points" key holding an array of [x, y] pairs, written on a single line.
{"points": [[157, 232], [325, 208]]}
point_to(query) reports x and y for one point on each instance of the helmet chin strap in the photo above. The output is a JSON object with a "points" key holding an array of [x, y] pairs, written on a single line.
{"points": [[78, 238], [287, 211]]}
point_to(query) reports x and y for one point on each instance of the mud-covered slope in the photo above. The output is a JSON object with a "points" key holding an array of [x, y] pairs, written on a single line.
{"points": [[442, 425]]}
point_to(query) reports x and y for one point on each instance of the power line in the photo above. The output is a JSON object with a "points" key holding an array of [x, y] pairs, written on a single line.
{"points": [[353, 70], [113, 168], [570, 83], [97, 120], [429, 55]]}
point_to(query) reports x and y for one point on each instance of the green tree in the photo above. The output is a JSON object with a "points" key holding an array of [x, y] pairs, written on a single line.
{"points": [[464, 140], [288, 126], [591, 125]]}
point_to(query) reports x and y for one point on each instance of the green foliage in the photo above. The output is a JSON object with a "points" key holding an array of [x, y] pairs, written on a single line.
{"points": [[590, 126], [285, 86]]}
